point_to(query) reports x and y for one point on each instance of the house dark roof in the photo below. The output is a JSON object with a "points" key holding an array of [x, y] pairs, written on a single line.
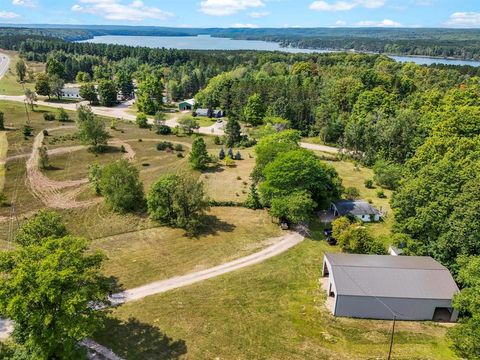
{"points": [[355, 207], [413, 277]]}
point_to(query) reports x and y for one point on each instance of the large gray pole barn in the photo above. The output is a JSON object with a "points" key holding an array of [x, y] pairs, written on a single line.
{"points": [[383, 287]]}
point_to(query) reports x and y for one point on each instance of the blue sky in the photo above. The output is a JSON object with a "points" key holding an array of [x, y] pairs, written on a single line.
{"points": [[246, 13]]}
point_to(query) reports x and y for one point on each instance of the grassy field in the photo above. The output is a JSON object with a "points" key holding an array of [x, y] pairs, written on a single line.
{"points": [[159, 253], [274, 310], [9, 84], [3, 157]]}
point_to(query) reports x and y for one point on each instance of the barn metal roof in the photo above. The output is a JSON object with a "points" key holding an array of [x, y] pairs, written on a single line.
{"points": [[355, 207], [415, 277]]}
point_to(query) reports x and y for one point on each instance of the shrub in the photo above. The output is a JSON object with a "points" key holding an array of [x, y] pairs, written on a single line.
{"points": [[179, 155], [178, 147], [122, 149], [381, 194], [45, 132], [368, 183], [217, 140], [62, 115], [229, 161], [163, 130], [351, 193], [164, 145], [48, 116], [142, 121]]}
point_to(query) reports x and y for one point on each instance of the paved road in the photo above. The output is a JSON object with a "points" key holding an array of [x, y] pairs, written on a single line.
{"points": [[4, 64]]}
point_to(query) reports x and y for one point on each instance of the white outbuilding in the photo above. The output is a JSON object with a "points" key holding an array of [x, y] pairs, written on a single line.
{"points": [[383, 287], [361, 209]]}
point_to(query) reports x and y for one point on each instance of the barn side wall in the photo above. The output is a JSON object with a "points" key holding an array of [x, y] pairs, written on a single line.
{"points": [[371, 308]]}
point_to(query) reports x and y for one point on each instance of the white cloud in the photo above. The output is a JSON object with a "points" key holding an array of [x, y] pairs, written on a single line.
{"points": [[228, 7], [8, 15], [238, 25], [337, 6], [383, 23], [321, 5], [258, 14], [25, 3], [464, 19], [115, 10], [340, 23]]}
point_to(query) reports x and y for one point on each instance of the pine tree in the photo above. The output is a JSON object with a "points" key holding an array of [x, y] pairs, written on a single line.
{"points": [[230, 153], [238, 156], [199, 157], [253, 200], [232, 132], [221, 154]]}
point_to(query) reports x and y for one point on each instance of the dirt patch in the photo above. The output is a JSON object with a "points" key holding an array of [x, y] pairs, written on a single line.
{"points": [[61, 194]]}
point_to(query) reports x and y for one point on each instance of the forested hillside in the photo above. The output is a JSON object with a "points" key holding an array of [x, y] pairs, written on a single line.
{"points": [[455, 43]]}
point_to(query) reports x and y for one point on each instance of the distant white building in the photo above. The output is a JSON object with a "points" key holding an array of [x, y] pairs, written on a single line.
{"points": [[72, 92], [362, 210], [384, 286]]}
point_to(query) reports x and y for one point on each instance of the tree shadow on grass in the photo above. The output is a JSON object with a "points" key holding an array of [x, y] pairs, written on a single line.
{"points": [[134, 340], [212, 225]]}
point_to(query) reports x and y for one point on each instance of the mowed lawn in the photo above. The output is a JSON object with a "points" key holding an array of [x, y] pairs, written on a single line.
{"points": [[273, 310], [137, 258]]}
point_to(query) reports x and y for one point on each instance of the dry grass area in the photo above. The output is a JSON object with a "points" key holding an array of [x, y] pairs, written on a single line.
{"points": [[3, 157], [9, 84], [225, 183], [273, 310], [140, 257]]}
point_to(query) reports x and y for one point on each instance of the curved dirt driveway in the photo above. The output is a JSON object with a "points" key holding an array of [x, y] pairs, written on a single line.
{"points": [[280, 245]]}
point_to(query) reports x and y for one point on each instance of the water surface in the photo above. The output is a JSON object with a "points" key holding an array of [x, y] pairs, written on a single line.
{"points": [[205, 42]]}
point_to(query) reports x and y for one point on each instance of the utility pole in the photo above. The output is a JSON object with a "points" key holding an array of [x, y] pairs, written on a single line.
{"points": [[391, 339]]}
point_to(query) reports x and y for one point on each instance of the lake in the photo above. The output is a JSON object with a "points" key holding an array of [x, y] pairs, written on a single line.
{"points": [[205, 42]]}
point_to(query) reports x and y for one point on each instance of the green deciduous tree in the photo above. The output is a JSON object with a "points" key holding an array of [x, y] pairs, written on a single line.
{"points": [[355, 238], [466, 335], [121, 186], [294, 207], [88, 92], [107, 92], [94, 177], [55, 67], [91, 130], [254, 110], [150, 95], [387, 174], [188, 124], [21, 69], [30, 97], [48, 289], [198, 156], [42, 85], [270, 146], [43, 225], [2, 120], [300, 170], [56, 85], [179, 201]]}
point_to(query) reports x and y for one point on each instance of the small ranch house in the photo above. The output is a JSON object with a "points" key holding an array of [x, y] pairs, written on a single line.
{"points": [[217, 114], [358, 208], [186, 105], [71, 92], [383, 286]]}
